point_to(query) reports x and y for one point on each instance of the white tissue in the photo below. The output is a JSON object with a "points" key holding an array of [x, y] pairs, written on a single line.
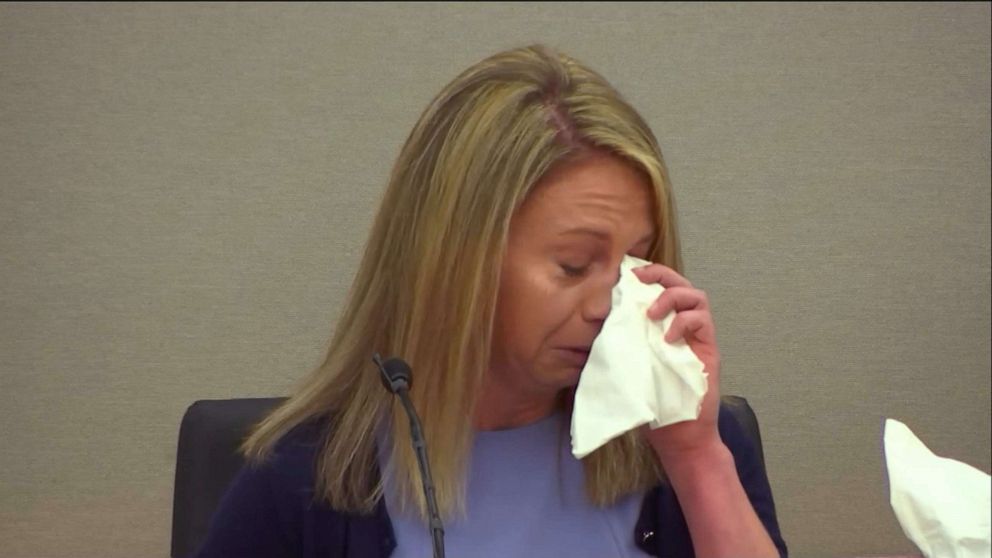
{"points": [[633, 376], [941, 504]]}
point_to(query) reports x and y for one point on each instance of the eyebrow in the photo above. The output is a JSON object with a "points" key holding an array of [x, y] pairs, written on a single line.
{"points": [[604, 236]]}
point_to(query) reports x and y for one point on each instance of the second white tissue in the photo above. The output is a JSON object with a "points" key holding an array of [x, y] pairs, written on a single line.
{"points": [[942, 504]]}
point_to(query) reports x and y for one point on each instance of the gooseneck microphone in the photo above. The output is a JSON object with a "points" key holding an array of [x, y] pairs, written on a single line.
{"points": [[397, 377]]}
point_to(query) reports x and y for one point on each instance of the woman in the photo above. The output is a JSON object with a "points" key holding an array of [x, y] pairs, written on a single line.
{"points": [[489, 269]]}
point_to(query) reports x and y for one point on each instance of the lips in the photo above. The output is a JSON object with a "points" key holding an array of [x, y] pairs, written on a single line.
{"points": [[575, 355]]}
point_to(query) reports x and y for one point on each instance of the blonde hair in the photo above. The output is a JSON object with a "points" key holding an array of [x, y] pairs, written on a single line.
{"points": [[437, 243]]}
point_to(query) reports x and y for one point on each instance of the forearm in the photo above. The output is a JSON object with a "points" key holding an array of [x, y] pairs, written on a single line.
{"points": [[721, 520]]}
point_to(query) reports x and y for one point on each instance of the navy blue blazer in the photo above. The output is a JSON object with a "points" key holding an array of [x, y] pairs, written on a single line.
{"points": [[268, 511]]}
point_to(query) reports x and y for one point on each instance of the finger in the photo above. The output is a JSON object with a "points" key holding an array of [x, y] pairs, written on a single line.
{"points": [[678, 299], [662, 274], [697, 324]]}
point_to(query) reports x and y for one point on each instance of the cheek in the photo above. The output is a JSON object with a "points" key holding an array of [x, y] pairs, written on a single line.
{"points": [[531, 307]]}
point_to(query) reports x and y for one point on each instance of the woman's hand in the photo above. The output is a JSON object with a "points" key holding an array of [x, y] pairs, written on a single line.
{"points": [[721, 519], [683, 441]]}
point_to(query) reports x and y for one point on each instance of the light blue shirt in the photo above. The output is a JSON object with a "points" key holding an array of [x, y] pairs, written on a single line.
{"points": [[525, 498]]}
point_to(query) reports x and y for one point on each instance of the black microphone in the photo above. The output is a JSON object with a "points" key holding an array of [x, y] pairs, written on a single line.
{"points": [[396, 377]]}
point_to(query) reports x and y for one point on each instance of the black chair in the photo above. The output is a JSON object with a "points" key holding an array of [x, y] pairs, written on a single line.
{"points": [[206, 461], [207, 458]]}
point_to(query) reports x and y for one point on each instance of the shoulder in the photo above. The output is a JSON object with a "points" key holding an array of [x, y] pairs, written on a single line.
{"points": [[289, 469], [265, 505], [299, 446]]}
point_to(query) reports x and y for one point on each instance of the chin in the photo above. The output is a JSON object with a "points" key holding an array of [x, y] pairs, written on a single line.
{"points": [[567, 377]]}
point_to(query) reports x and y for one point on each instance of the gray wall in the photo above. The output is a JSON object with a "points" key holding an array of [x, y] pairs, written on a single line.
{"points": [[186, 190]]}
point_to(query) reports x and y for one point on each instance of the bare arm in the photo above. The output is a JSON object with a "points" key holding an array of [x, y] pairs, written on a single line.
{"points": [[700, 467], [722, 522]]}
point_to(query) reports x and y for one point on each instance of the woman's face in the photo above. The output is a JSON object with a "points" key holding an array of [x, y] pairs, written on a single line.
{"points": [[563, 256]]}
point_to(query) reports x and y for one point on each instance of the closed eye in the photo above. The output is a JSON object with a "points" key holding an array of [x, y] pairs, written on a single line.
{"points": [[572, 271]]}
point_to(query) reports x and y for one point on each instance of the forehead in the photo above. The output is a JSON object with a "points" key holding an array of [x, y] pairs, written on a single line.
{"points": [[597, 190]]}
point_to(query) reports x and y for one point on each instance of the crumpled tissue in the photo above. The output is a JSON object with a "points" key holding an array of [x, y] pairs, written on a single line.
{"points": [[633, 376], [943, 505]]}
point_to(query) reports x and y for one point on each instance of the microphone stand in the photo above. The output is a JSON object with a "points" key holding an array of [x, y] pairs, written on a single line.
{"points": [[397, 377]]}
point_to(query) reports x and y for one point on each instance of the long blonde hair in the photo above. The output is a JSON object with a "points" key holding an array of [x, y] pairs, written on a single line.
{"points": [[426, 287]]}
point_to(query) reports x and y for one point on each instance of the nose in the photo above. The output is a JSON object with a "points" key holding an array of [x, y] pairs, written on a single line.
{"points": [[599, 298]]}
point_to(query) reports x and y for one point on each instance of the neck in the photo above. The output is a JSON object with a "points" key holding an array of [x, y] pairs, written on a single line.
{"points": [[500, 407]]}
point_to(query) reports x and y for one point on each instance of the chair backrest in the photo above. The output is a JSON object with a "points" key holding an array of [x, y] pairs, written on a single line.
{"points": [[208, 458], [206, 461], [744, 414]]}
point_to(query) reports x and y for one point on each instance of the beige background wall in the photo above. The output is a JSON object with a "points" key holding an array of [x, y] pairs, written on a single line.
{"points": [[185, 191]]}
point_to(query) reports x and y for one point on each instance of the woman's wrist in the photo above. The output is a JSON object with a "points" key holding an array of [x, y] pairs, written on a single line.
{"points": [[719, 515], [697, 466]]}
